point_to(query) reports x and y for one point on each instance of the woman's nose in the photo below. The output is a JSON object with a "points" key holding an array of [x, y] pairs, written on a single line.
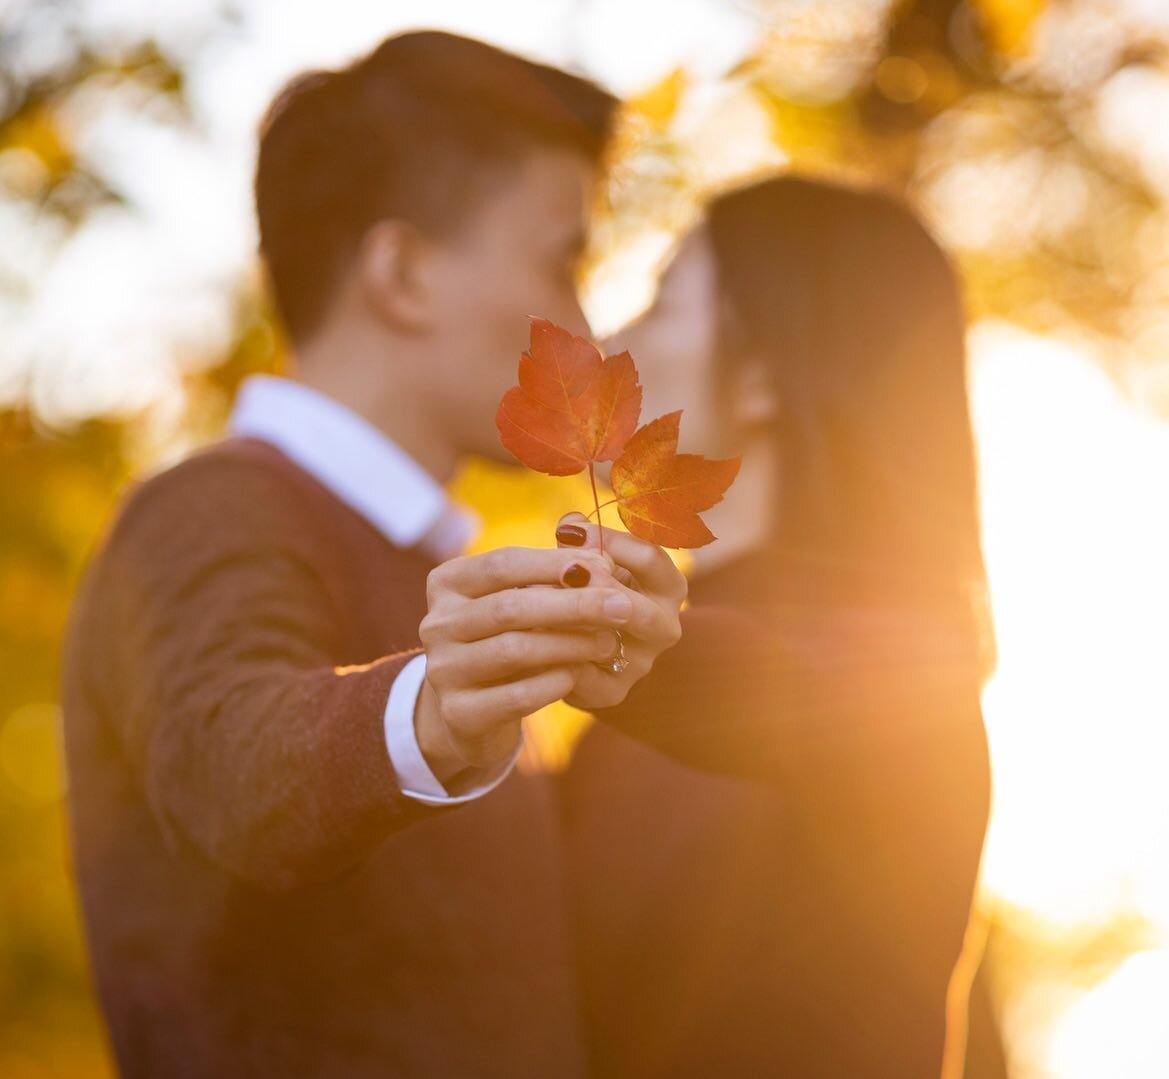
{"points": [[576, 324], [617, 342]]}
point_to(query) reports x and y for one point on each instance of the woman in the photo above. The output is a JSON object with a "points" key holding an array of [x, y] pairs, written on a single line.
{"points": [[807, 925]]}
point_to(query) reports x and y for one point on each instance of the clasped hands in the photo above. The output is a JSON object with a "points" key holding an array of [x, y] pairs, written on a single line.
{"points": [[512, 630]]}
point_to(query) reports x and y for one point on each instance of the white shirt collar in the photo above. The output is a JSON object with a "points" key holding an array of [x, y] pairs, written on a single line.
{"points": [[355, 461]]}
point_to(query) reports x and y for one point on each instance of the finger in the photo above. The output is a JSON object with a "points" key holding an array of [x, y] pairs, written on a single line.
{"points": [[647, 621], [644, 618], [595, 607], [476, 712], [621, 574], [570, 533], [572, 530], [587, 571], [595, 688], [507, 655], [506, 567], [647, 563]]}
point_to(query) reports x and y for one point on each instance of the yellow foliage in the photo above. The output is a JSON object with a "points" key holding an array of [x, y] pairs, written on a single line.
{"points": [[30, 757], [660, 102], [36, 131], [1008, 23]]}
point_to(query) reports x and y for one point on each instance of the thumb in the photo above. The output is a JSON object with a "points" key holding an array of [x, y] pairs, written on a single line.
{"points": [[574, 530]]}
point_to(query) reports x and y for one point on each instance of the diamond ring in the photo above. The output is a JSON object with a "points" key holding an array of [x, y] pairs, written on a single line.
{"points": [[617, 662]]}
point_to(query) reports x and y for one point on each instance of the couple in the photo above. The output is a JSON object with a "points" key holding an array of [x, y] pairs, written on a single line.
{"points": [[293, 708]]}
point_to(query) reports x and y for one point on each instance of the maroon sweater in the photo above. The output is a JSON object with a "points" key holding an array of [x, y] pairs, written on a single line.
{"points": [[259, 897], [804, 918]]}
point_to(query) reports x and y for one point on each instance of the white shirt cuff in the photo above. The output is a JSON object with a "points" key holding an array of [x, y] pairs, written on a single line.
{"points": [[415, 779]]}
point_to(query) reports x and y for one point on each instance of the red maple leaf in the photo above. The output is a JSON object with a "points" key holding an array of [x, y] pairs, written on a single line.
{"points": [[661, 491], [572, 408]]}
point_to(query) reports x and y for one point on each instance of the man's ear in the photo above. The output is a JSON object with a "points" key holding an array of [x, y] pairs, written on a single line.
{"points": [[754, 402], [393, 277]]}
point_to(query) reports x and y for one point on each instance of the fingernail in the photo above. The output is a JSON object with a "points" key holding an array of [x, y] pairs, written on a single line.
{"points": [[571, 535], [618, 607], [576, 576]]}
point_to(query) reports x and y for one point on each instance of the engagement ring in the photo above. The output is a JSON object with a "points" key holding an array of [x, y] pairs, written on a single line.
{"points": [[617, 662]]}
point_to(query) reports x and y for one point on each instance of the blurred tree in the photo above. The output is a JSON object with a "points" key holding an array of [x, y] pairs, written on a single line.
{"points": [[55, 497]]}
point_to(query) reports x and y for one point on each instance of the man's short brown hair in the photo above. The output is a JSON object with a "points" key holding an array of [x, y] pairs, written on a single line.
{"points": [[416, 130]]}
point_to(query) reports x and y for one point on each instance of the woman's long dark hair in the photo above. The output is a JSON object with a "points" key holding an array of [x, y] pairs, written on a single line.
{"points": [[857, 314]]}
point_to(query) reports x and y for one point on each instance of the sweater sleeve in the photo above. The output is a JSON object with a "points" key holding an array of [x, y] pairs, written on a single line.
{"points": [[250, 743], [740, 697]]}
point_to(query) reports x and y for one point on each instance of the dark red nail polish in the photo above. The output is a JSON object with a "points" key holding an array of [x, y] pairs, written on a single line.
{"points": [[571, 535], [576, 576]]}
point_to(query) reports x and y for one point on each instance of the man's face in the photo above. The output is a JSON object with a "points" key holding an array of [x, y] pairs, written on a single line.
{"points": [[516, 256]]}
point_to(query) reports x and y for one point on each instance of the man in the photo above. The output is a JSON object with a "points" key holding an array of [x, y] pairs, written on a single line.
{"points": [[263, 763]]}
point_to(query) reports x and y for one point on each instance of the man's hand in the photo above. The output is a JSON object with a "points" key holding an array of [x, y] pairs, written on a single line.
{"points": [[657, 588], [507, 633]]}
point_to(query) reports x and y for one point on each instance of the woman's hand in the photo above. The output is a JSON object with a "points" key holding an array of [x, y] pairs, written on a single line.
{"points": [[657, 590], [508, 632]]}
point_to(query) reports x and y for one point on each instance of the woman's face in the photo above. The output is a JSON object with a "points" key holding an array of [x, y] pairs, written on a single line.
{"points": [[675, 347]]}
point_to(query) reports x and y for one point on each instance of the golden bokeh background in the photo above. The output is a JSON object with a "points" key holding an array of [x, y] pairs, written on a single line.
{"points": [[1034, 136]]}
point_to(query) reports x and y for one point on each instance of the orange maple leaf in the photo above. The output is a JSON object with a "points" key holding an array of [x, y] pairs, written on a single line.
{"points": [[571, 407], [661, 491]]}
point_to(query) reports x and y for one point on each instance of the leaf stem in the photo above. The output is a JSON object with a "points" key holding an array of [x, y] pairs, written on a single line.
{"points": [[611, 502], [597, 510]]}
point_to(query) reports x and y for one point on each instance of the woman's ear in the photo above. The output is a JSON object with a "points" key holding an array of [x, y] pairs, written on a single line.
{"points": [[754, 402], [392, 269]]}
